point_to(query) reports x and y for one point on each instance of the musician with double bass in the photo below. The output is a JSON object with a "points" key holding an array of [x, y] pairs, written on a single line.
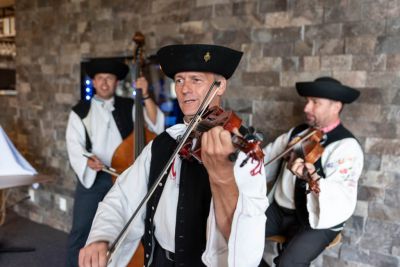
{"points": [[205, 211], [95, 129], [313, 198]]}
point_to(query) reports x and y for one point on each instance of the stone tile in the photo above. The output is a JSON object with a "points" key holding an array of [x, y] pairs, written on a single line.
{"points": [[303, 48], [272, 6], [354, 254], [222, 10], [388, 45], [210, 2], [369, 62], [287, 19], [383, 146], [364, 27], [290, 78], [273, 112], [231, 38], [375, 10], [390, 163], [367, 129], [278, 49], [328, 47], [311, 63], [344, 11], [244, 8], [383, 79], [360, 212], [288, 34], [192, 27], [202, 13], [291, 63], [378, 238], [370, 194], [264, 64], [323, 31], [357, 79], [392, 198], [261, 78], [336, 62], [360, 45]]}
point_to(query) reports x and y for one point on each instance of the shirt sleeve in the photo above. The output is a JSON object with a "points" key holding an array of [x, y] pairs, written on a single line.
{"points": [[246, 241], [76, 147], [342, 162], [272, 150], [157, 127], [117, 207]]}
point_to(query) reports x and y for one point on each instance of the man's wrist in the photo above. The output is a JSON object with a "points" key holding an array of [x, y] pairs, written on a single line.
{"points": [[146, 97]]}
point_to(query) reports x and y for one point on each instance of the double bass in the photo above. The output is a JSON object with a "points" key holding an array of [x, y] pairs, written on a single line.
{"points": [[132, 146]]}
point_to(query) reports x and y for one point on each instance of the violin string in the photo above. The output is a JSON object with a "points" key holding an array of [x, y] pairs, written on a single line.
{"points": [[290, 148]]}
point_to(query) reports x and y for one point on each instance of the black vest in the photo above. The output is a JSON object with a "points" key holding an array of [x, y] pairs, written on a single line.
{"points": [[192, 210], [122, 115], [300, 196]]}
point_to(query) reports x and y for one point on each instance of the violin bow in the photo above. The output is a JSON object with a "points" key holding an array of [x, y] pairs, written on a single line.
{"points": [[290, 148], [193, 123]]}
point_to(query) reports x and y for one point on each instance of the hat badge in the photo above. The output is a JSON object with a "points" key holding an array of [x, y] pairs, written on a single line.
{"points": [[207, 57]]}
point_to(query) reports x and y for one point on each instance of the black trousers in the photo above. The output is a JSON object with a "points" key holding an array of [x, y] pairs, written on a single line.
{"points": [[85, 206], [160, 257], [303, 244]]}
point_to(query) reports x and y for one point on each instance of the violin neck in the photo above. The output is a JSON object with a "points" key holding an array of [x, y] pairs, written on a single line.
{"points": [[139, 132]]}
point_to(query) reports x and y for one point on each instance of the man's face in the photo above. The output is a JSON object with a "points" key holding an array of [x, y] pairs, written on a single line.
{"points": [[321, 112], [192, 87], [105, 84]]}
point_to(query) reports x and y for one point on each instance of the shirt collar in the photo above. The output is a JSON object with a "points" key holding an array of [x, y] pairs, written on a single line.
{"points": [[331, 126]]}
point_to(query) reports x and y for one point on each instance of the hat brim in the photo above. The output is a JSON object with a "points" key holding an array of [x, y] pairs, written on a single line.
{"points": [[329, 90]]}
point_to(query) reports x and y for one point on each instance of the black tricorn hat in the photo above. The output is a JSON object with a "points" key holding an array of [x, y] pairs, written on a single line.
{"points": [[198, 57], [327, 87], [107, 65]]}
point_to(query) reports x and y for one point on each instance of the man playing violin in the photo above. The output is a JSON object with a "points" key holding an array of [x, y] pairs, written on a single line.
{"points": [[311, 220], [202, 214], [98, 127]]}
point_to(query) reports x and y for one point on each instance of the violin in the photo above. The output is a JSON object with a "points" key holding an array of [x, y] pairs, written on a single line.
{"points": [[310, 149], [215, 116]]}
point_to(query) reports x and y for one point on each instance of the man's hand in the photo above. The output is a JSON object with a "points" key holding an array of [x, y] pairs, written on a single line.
{"points": [[94, 255], [303, 170], [95, 163], [142, 83], [216, 146]]}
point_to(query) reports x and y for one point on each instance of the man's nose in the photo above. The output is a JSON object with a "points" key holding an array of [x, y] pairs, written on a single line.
{"points": [[186, 87], [307, 107]]}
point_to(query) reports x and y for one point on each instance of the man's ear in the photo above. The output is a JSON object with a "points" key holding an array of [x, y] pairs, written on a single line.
{"points": [[222, 86], [338, 106]]}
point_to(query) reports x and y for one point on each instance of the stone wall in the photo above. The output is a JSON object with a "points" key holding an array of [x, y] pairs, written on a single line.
{"points": [[355, 41]]}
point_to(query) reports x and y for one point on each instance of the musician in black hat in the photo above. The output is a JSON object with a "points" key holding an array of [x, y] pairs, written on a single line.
{"points": [[311, 220], [201, 214], [96, 128]]}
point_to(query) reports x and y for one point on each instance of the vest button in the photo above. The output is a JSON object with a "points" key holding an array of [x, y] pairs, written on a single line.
{"points": [[147, 255]]}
